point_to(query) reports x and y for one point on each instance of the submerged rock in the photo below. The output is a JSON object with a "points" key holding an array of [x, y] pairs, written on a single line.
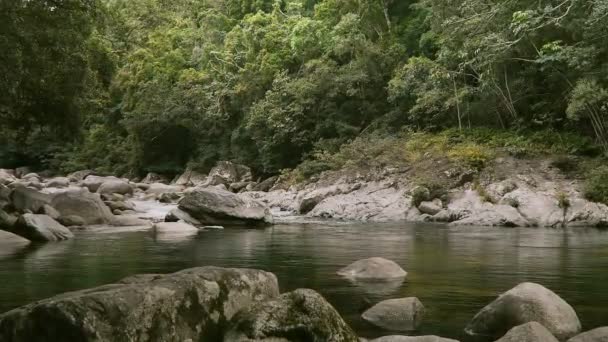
{"points": [[40, 228], [373, 269], [213, 206], [595, 335], [527, 302], [191, 305], [299, 316], [176, 215], [173, 227], [403, 314], [529, 332]]}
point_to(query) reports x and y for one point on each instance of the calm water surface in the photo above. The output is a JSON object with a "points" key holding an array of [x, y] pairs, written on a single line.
{"points": [[454, 271]]}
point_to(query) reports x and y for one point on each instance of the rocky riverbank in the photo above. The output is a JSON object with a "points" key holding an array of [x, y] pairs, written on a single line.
{"points": [[515, 193], [239, 305]]}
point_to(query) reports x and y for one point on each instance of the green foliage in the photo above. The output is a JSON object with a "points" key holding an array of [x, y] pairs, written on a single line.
{"points": [[420, 194], [147, 85], [596, 185], [562, 200]]}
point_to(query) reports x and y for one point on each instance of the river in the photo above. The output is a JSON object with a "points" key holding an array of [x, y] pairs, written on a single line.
{"points": [[454, 271]]}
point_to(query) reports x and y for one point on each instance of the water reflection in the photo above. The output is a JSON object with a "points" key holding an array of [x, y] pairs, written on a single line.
{"points": [[454, 271]]}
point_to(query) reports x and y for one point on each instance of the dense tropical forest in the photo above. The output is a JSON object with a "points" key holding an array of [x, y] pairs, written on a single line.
{"points": [[134, 86]]}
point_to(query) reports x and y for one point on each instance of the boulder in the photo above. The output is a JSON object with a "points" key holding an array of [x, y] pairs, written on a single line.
{"points": [[31, 175], [213, 206], [173, 227], [238, 186], [226, 172], [94, 182], [30, 199], [375, 201], [191, 305], [5, 195], [299, 316], [176, 215], [191, 178], [58, 182], [84, 204], [7, 221], [79, 176], [22, 171], [120, 205], [373, 269], [115, 187], [430, 208], [266, 185], [142, 186], [529, 332], [309, 201], [469, 209], [10, 238], [7, 176], [538, 207], [49, 211], [595, 335], [397, 338], [402, 314], [72, 221], [154, 178], [169, 197], [527, 302], [40, 228]]}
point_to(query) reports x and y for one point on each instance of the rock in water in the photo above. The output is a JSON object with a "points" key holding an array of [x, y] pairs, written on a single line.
{"points": [[397, 338], [41, 228], [527, 302], [529, 332], [84, 204], [403, 314], [595, 335], [174, 227], [193, 304], [299, 316], [213, 206], [373, 269]]}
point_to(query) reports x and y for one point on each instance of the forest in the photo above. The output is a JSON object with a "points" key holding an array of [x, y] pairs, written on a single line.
{"points": [[135, 86]]}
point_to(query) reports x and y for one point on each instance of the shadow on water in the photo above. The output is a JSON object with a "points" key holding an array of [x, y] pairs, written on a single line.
{"points": [[454, 271]]}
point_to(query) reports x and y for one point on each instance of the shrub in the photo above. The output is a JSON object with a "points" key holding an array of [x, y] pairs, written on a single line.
{"points": [[471, 155], [562, 200], [596, 185]]}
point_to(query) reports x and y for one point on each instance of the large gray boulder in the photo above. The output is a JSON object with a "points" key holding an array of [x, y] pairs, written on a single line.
{"points": [[191, 305], [115, 187], [398, 338], [30, 199], [93, 183], [402, 314], [595, 335], [299, 316], [191, 177], [214, 206], [40, 228], [373, 269], [7, 176], [84, 204], [58, 182], [226, 173], [529, 332], [79, 176], [527, 302]]}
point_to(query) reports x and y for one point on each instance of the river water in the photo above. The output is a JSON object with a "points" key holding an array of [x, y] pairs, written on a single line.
{"points": [[454, 271]]}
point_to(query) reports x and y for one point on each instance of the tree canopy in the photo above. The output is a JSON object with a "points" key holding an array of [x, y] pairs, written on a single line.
{"points": [[132, 86]]}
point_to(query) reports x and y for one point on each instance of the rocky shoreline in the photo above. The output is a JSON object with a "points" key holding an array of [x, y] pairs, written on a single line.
{"points": [[245, 305], [42, 208]]}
